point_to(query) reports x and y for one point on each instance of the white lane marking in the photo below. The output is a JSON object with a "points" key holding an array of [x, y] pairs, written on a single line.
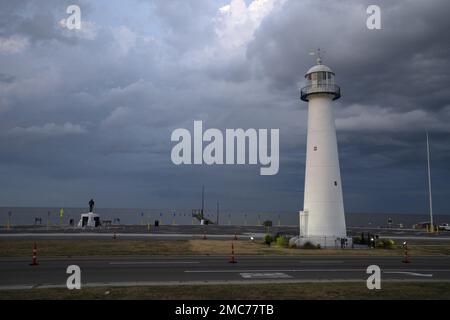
{"points": [[273, 275], [411, 273], [311, 270], [154, 262], [282, 270], [321, 261], [210, 282]]}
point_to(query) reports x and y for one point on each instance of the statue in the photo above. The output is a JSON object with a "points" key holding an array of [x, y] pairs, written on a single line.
{"points": [[91, 205]]}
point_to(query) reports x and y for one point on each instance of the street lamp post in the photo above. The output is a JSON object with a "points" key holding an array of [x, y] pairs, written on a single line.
{"points": [[429, 186], [9, 220]]}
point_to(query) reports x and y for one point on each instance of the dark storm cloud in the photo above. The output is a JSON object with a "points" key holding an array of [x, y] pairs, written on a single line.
{"points": [[37, 20], [91, 113], [6, 78], [186, 23], [398, 67], [394, 81]]}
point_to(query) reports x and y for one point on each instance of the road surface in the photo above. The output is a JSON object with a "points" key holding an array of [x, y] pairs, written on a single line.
{"points": [[126, 271], [186, 232]]}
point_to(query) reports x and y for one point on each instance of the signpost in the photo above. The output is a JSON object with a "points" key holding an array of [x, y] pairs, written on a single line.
{"points": [[61, 214]]}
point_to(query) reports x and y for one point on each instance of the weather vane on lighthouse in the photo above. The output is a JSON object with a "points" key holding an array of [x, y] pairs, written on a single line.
{"points": [[317, 52]]}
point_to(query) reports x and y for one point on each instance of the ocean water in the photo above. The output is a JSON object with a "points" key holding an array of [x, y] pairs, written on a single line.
{"points": [[27, 215]]}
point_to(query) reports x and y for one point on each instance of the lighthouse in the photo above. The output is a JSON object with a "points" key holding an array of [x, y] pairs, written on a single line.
{"points": [[322, 221]]}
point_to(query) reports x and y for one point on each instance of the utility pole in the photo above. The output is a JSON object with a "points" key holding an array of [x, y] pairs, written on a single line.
{"points": [[8, 226], [429, 186], [203, 200], [217, 218]]}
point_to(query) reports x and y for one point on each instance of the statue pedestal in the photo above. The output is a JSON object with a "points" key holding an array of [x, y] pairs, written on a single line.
{"points": [[90, 220]]}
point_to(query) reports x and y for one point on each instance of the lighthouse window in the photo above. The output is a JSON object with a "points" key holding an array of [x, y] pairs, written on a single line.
{"points": [[315, 148], [335, 183], [322, 76]]}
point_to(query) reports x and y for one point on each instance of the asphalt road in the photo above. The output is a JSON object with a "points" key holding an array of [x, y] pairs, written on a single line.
{"points": [[17, 273], [162, 229], [165, 232], [129, 236]]}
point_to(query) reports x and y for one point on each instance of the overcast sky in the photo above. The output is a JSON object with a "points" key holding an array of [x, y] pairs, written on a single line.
{"points": [[89, 113]]}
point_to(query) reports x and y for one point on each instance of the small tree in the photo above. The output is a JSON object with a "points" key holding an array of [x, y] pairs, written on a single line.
{"points": [[385, 244], [282, 241], [268, 239]]}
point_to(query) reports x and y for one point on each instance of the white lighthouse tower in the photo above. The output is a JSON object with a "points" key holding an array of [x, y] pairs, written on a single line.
{"points": [[322, 220]]}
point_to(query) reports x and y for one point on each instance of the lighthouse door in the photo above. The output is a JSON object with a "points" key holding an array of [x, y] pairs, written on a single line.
{"points": [[304, 223]]}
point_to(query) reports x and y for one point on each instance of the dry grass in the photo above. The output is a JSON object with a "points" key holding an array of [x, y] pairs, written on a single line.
{"points": [[65, 248], [390, 290], [68, 248], [223, 247]]}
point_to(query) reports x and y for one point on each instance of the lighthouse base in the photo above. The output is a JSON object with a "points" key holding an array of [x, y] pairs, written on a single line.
{"points": [[321, 242]]}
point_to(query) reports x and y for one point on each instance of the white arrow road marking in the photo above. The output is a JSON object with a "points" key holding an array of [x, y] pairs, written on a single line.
{"points": [[153, 262], [411, 273], [321, 261]]}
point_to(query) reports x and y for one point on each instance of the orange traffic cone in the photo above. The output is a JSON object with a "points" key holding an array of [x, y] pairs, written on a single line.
{"points": [[34, 257], [406, 256], [232, 258]]}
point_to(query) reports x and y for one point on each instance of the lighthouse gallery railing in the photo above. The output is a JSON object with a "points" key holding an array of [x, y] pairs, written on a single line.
{"points": [[320, 88]]}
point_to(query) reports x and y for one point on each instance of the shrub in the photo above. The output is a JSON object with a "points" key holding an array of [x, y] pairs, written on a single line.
{"points": [[389, 244], [357, 240], [385, 243], [268, 239], [310, 245], [282, 241]]}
